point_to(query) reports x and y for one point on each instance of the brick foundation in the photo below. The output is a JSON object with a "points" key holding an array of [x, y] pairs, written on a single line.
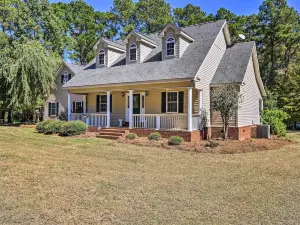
{"points": [[235, 133], [93, 129], [186, 135]]}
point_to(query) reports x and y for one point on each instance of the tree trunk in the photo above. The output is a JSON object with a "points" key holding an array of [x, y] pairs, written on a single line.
{"points": [[34, 115], [9, 117]]}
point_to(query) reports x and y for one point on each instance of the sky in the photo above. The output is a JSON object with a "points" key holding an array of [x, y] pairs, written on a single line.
{"points": [[239, 7]]}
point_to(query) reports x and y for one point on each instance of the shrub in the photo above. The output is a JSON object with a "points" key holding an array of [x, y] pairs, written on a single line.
{"points": [[73, 128], [212, 144], [40, 127], [63, 115], [154, 136], [131, 136], [275, 118], [54, 127], [175, 140]]}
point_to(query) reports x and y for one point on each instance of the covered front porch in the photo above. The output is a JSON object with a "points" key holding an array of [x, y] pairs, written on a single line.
{"points": [[161, 106]]}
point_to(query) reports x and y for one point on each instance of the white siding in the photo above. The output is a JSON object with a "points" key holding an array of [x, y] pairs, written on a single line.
{"points": [[60, 95], [183, 44], [208, 69], [112, 57], [145, 51], [248, 112], [170, 33]]}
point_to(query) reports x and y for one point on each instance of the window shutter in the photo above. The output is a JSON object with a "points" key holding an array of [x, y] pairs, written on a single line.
{"points": [[74, 107], [181, 102], [163, 102], [49, 108], [81, 111], [98, 103], [110, 103], [62, 79], [70, 76], [57, 108]]}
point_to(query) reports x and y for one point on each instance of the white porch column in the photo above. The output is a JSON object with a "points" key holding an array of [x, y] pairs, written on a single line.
{"points": [[84, 104], [69, 107], [130, 109], [200, 101], [190, 108], [108, 108]]}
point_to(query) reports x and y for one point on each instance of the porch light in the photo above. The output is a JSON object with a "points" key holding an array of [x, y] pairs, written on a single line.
{"points": [[146, 93], [123, 94]]}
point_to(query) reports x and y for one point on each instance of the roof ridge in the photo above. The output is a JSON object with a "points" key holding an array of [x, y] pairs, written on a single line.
{"points": [[197, 24]]}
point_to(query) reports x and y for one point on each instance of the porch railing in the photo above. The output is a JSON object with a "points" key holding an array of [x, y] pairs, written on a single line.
{"points": [[160, 121], [99, 120]]}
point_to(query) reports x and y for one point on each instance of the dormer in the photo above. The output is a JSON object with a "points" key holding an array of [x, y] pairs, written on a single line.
{"points": [[174, 41], [107, 52], [138, 47]]}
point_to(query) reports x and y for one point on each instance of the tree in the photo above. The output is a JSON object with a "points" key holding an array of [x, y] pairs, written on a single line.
{"points": [[225, 99], [189, 15], [29, 71], [153, 15]]}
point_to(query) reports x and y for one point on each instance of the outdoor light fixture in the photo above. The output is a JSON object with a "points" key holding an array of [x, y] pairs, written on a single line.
{"points": [[146, 93], [123, 94]]}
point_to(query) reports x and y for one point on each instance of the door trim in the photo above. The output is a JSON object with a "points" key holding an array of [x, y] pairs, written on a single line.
{"points": [[142, 110]]}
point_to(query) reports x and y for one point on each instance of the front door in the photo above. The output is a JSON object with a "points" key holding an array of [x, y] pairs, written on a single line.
{"points": [[136, 104]]}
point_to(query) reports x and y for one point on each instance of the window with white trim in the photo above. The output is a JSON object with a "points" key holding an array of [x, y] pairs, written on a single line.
{"points": [[65, 77], [132, 52], [77, 107], [102, 103], [53, 108], [172, 102], [170, 46], [101, 57]]}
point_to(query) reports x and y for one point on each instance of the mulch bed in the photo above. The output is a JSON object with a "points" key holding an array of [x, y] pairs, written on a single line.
{"points": [[224, 147]]}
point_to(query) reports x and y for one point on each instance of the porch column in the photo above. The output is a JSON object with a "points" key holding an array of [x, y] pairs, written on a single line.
{"points": [[130, 109], [84, 104], [190, 108], [108, 108], [200, 101], [69, 107]]}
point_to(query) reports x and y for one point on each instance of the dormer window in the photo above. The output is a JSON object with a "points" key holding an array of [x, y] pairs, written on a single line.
{"points": [[65, 77], [170, 46], [132, 52], [101, 57]]}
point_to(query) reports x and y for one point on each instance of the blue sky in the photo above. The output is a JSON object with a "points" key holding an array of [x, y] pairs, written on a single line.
{"points": [[210, 6]]}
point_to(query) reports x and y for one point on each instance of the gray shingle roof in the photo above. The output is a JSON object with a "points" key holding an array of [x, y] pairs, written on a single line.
{"points": [[154, 69], [233, 65], [115, 44], [75, 68]]}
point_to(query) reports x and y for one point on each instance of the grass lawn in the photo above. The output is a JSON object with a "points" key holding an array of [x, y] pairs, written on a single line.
{"points": [[55, 180]]}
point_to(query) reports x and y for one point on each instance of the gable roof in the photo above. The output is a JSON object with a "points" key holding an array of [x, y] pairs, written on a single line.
{"points": [[116, 44], [233, 66], [143, 37], [177, 29], [153, 69], [73, 67]]}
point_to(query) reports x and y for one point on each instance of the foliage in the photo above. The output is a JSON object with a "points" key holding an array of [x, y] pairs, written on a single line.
{"points": [[41, 126], [53, 127], [212, 144], [225, 99], [63, 115], [73, 128], [189, 15], [175, 140], [275, 118], [131, 136], [154, 136]]}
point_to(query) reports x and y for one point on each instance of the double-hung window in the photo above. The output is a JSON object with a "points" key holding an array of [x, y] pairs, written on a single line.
{"points": [[101, 103], [132, 52], [170, 46], [53, 108], [65, 77], [77, 107], [101, 57], [172, 102]]}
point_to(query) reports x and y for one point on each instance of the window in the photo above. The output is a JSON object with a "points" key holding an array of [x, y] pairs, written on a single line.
{"points": [[65, 77], [101, 57], [77, 107], [170, 46], [172, 102], [53, 108], [132, 52], [101, 103]]}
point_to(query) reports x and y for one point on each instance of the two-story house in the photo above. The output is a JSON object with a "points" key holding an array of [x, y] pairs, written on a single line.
{"points": [[162, 81]]}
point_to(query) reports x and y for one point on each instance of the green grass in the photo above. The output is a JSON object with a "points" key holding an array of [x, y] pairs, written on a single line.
{"points": [[56, 180]]}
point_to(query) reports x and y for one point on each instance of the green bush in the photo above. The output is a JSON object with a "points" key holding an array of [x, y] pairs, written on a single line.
{"points": [[175, 140], [40, 127], [275, 118], [54, 127], [131, 136], [73, 128], [154, 136], [212, 144]]}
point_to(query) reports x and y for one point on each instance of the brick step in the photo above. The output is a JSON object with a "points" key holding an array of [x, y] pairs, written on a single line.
{"points": [[111, 137], [114, 130], [119, 134]]}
